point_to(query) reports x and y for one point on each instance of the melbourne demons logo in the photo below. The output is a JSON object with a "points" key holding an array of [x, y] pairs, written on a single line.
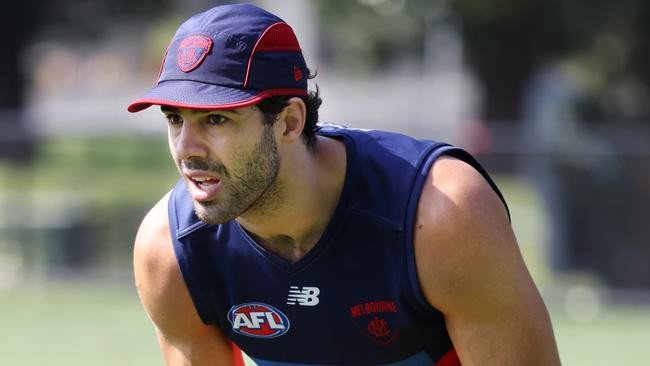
{"points": [[192, 51], [258, 320], [377, 319]]}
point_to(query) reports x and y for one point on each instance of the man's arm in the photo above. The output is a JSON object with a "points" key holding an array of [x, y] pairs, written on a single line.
{"points": [[470, 268], [183, 337]]}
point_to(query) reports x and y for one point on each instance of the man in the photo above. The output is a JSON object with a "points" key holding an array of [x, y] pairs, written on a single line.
{"points": [[305, 244]]}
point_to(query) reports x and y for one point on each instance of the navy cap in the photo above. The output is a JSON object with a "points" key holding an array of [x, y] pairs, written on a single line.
{"points": [[230, 56]]}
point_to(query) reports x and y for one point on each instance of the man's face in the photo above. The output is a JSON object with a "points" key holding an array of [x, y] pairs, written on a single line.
{"points": [[229, 160]]}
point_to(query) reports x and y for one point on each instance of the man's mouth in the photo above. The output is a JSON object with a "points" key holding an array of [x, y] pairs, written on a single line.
{"points": [[203, 187], [205, 182]]}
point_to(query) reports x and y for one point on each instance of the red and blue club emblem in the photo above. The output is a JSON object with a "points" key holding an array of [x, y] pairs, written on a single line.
{"points": [[258, 320], [192, 52], [377, 319]]}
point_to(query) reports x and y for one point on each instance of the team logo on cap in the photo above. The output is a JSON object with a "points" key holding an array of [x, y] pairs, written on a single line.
{"points": [[192, 51], [258, 320]]}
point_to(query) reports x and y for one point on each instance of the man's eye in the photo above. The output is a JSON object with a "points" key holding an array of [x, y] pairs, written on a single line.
{"points": [[217, 119], [174, 119]]}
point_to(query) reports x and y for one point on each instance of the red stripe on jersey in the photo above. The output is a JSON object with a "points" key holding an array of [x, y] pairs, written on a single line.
{"points": [[449, 359], [237, 356]]}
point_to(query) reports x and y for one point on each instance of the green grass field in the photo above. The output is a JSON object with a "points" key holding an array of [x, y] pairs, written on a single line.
{"points": [[618, 336], [75, 323]]}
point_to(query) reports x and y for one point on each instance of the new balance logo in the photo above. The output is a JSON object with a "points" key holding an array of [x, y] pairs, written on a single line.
{"points": [[307, 296]]}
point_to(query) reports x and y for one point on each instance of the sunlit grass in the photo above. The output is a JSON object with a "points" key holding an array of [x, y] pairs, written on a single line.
{"points": [[75, 323]]}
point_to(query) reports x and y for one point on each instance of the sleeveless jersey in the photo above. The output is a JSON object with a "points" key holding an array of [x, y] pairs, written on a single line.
{"points": [[354, 299]]}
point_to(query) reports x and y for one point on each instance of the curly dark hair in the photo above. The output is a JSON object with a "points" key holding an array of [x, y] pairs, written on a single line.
{"points": [[271, 106]]}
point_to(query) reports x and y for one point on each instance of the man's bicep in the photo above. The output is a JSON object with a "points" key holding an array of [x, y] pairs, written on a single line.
{"points": [[470, 269], [494, 314]]}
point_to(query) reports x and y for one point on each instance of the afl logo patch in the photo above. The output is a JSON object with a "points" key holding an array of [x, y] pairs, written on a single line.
{"points": [[192, 51], [258, 320]]}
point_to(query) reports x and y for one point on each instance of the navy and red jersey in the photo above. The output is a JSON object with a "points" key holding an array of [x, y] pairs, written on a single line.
{"points": [[354, 299]]}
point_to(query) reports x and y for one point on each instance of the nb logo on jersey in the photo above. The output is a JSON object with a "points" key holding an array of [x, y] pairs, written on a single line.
{"points": [[307, 296]]}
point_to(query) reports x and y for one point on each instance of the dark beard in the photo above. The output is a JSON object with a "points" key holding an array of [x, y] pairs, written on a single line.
{"points": [[251, 184]]}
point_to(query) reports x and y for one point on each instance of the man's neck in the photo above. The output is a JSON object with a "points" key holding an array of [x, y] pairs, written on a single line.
{"points": [[311, 185]]}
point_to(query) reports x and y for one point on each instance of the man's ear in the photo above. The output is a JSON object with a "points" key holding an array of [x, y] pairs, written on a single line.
{"points": [[293, 118]]}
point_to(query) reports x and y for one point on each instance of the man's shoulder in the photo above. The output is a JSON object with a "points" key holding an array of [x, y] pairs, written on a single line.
{"points": [[155, 224], [456, 194], [470, 268], [152, 247], [162, 289], [460, 218], [458, 180], [156, 270]]}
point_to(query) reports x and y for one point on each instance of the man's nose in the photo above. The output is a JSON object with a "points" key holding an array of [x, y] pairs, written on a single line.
{"points": [[190, 143]]}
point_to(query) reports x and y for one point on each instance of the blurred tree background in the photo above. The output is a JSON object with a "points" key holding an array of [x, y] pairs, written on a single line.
{"points": [[506, 42], [42, 21]]}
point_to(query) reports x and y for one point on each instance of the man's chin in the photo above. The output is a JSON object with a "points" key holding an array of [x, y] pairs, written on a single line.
{"points": [[210, 213]]}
